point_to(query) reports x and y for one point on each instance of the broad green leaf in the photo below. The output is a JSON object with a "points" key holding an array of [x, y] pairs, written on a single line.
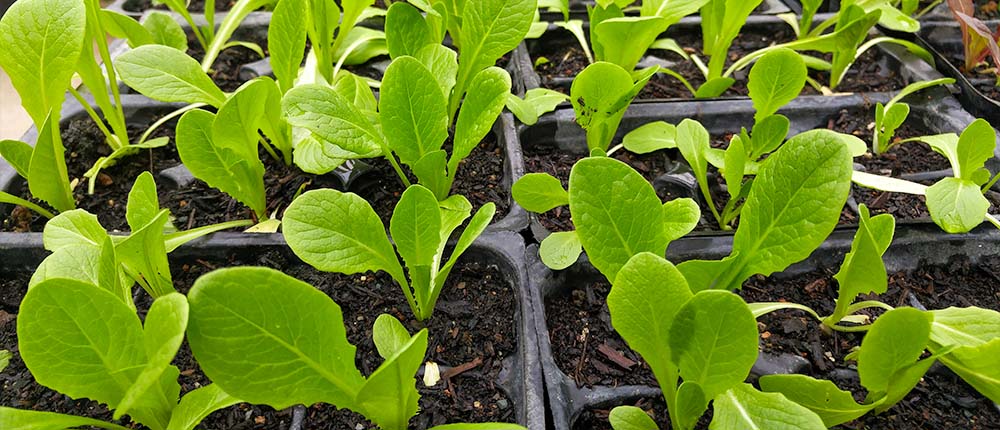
{"points": [[895, 341], [651, 137], [887, 121], [17, 154], [77, 261], [539, 192], [680, 217], [42, 41], [21, 419], [5, 357], [389, 335], [75, 227], [536, 102], [975, 146], [286, 40], [768, 134], [776, 79], [691, 404], [416, 225], [714, 87], [735, 159], [616, 212], [111, 274], [267, 338], [431, 171], [389, 396], [560, 249], [713, 341], [355, 90], [743, 407], [165, 31], [443, 64], [48, 179], [98, 360], [631, 418], [168, 75], [979, 366], [144, 253], [645, 297], [346, 130], [143, 203], [956, 205], [454, 211], [490, 29], [693, 142], [971, 326], [408, 31], [483, 104], [625, 40], [339, 232], [863, 270], [886, 183], [236, 125], [412, 110], [600, 95], [122, 26], [833, 405], [162, 335], [198, 404]]}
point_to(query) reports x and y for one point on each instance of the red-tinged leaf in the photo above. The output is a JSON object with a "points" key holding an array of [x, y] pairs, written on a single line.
{"points": [[981, 36]]}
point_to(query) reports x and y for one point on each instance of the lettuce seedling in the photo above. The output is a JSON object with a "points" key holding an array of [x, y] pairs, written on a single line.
{"points": [[708, 340], [890, 116], [794, 204], [956, 203], [536, 102], [601, 94], [340, 232], [977, 39], [115, 358], [43, 166], [297, 337], [214, 40], [891, 17], [81, 247], [616, 212], [411, 121], [721, 21]]}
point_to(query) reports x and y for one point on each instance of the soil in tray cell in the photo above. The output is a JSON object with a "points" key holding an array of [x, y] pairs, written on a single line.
{"points": [[566, 58], [471, 331], [480, 179], [84, 144], [226, 69]]}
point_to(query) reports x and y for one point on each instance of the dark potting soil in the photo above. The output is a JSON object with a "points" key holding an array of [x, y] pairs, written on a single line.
{"points": [[550, 159], [980, 77], [480, 178], [597, 418], [196, 6], [566, 59], [226, 69], [84, 144], [472, 330], [987, 9]]}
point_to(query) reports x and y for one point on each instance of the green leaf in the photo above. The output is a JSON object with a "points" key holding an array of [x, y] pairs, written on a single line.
{"points": [[476, 226], [645, 297], [735, 159], [768, 134], [389, 397], [286, 40], [971, 326], [443, 64], [956, 205], [416, 226], [48, 179], [691, 404], [680, 217], [895, 341], [487, 96], [560, 249], [42, 41], [631, 418], [975, 146], [539, 192], [625, 40], [196, 405], [600, 95], [887, 121], [75, 227], [863, 270], [165, 31], [17, 154], [389, 335], [713, 341], [743, 407], [339, 232], [355, 90], [97, 360], [714, 87], [168, 75], [776, 79], [77, 261], [618, 219], [346, 131], [412, 110], [123, 26], [144, 253], [651, 137], [978, 366], [5, 357], [408, 31], [143, 203], [479, 426], [162, 335], [431, 171], [833, 405], [267, 338], [20, 419], [693, 142]]}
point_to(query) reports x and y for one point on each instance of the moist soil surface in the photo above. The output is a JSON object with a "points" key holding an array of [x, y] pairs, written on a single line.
{"points": [[981, 77], [226, 69], [472, 330], [566, 59], [587, 349]]}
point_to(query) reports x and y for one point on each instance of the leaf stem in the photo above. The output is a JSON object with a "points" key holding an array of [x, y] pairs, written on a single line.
{"points": [[12, 199]]}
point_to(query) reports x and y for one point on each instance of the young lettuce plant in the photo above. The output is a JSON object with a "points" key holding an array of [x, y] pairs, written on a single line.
{"points": [[616, 212], [721, 21], [340, 232], [977, 39], [287, 370], [776, 79], [115, 359], [890, 116], [894, 15], [82, 249], [213, 40], [701, 348], [411, 121], [601, 94], [956, 204]]}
